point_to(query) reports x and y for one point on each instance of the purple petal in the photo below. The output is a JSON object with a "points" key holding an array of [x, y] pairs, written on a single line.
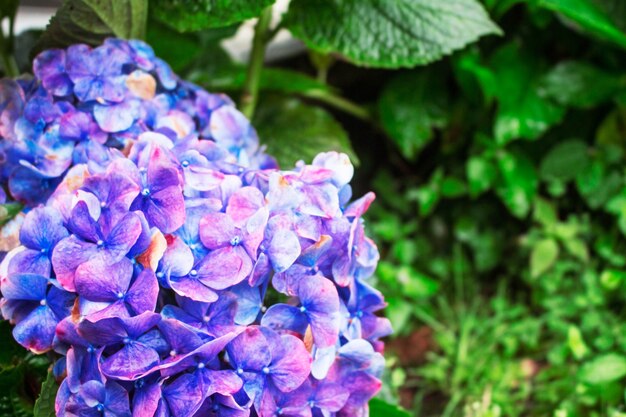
{"points": [[143, 294], [320, 299], [206, 353], [261, 270], [248, 303], [117, 404], [178, 259], [123, 236], [283, 317], [93, 393], [25, 287], [217, 230], [284, 249], [291, 369], [138, 325], [244, 203], [250, 350], [68, 255], [117, 117], [42, 229], [130, 362], [223, 268], [146, 400], [36, 331], [99, 280], [330, 396], [224, 382], [180, 337], [192, 288], [184, 396], [82, 224], [103, 332], [362, 387]]}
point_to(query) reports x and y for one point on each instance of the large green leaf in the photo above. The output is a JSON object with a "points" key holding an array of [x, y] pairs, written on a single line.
{"points": [[597, 184], [379, 408], [591, 16], [522, 112], [90, 21], [292, 130], [603, 369], [192, 15], [389, 34], [565, 160], [579, 84], [44, 406], [179, 50], [410, 107]]}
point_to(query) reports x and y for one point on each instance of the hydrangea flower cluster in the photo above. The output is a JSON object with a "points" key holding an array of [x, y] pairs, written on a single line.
{"points": [[86, 105], [179, 273]]}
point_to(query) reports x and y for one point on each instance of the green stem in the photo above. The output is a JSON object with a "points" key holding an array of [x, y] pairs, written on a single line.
{"points": [[250, 93], [339, 103], [8, 60]]}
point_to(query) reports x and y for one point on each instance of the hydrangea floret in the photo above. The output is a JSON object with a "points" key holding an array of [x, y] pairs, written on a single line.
{"points": [[167, 262]]}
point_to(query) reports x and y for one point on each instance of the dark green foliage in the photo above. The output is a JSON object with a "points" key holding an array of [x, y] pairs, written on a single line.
{"points": [[192, 15], [90, 21], [389, 34], [44, 406], [317, 131]]}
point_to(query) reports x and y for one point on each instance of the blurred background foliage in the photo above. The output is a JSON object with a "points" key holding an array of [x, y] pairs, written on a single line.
{"points": [[494, 135]]}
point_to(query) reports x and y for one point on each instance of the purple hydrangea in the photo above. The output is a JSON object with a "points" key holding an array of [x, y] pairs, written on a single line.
{"points": [[176, 272], [87, 99]]}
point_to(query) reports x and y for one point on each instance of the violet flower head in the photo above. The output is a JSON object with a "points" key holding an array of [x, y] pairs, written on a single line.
{"points": [[176, 270]]}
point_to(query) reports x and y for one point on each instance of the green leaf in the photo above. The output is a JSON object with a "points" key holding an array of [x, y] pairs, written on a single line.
{"points": [[452, 187], [612, 279], [589, 17], [481, 174], [519, 183], [193, 15], [542, 257], [596, 185], [471, 72], [379, 408], [427, 198], [292, 131], [544, 212], [414, 284], [579, 84], [577, 247], [177, 49], [44, 406], [612, 130], [522, 112], [388, 34], [277, 80], [90, 21], [9, 211], [410, 107], [564, 161], [604, 369], [576, 343]]}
